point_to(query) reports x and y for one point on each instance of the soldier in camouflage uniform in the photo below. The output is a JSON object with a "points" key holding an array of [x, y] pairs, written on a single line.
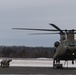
{"points": [[5, 63]]}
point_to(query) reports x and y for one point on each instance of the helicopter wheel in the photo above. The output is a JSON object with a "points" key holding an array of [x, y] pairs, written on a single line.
{"points": [[56, 64], [58, 61]]}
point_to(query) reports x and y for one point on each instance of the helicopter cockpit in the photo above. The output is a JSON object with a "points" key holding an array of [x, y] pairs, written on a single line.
{"points": [[68, 43]]}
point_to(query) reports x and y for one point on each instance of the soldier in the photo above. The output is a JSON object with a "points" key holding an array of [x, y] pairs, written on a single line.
{"points": [[5, 63]]}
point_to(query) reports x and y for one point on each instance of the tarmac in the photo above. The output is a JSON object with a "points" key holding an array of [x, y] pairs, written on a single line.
{"points": [[38, 70]]}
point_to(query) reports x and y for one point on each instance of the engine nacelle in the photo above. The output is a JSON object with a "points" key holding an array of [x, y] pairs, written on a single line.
{"points": [[56, 44]]}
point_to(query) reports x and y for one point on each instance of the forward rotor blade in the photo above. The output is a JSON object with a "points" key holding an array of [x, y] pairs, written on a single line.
{"points": [[42, 33], [57, 28], [34, 29]]}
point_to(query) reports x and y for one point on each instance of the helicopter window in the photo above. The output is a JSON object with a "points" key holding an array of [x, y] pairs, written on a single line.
{"points": [[66, 43], [70, 43]]}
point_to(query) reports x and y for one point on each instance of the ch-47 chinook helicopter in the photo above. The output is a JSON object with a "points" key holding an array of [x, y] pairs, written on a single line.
{"points": [[65, 49]]}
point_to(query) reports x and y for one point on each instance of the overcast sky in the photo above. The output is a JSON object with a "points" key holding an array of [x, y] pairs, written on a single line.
{"points": [[34, 14]]}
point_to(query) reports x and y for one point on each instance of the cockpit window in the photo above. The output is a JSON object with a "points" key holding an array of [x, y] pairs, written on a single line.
{"points": [[66, 43], [70, 43]]}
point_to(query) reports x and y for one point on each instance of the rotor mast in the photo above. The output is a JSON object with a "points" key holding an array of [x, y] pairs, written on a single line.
{"points": [[62, 34]]}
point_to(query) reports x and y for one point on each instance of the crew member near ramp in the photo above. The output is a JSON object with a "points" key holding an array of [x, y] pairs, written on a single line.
{"points": [[5, 63]]}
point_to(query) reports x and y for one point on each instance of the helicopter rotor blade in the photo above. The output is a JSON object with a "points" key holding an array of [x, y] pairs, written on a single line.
{"points": [[35, 29], [57, 28], [42, 33]]}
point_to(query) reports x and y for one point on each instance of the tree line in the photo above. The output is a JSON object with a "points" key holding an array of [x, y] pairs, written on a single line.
{"points": [[26, 52]]}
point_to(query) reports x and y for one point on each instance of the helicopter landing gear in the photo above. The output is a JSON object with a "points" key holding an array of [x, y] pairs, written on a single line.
{"points": [[56, 64], [72, 61]]}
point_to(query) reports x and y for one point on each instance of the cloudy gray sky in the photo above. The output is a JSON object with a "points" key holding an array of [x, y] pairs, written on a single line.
{"points": [[34, 14]]}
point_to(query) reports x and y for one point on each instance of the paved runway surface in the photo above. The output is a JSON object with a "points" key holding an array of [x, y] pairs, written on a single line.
{"points": [[37, 70]]}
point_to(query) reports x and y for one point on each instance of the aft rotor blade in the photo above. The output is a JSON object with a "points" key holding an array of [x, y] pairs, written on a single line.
{"points": [[42, 33], [34, 29], [57, 28]]}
